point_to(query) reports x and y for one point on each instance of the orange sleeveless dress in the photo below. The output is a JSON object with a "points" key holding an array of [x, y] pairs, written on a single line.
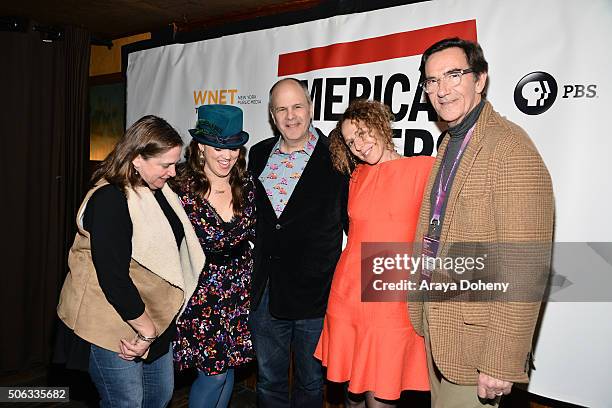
{"points": [[373, 344]]}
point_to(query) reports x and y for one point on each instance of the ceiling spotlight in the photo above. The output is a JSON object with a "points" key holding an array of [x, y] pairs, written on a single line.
{"points": [[49, 33], [14, 24]]}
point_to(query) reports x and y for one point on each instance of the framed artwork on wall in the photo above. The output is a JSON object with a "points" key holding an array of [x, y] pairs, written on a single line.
{"points": [[106, 114]]}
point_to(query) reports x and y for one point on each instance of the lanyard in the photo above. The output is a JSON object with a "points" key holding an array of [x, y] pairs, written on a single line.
{"points": [[441, 194]]}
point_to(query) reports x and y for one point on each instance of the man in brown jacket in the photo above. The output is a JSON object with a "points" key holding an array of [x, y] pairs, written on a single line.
{"points": [[489, 186]]}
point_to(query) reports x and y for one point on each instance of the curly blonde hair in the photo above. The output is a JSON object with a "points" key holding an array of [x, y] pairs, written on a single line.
{"points": [[375, 116]]}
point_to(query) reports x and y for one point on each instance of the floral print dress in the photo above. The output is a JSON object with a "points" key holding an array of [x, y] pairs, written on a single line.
{"points": [[212, 332]]}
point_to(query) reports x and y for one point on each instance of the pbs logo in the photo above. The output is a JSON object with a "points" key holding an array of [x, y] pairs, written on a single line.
{"points": [[535, 93]]}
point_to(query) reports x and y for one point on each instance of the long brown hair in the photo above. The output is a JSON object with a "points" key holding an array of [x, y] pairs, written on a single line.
{"points": [[191, 175], [375, 115], [148, 137]]}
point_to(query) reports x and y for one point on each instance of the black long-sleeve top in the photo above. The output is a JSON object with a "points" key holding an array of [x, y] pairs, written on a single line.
{"points": [[107, 219]]}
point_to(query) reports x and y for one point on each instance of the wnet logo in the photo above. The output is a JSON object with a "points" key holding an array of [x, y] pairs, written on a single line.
{"points": [[535, 93]]}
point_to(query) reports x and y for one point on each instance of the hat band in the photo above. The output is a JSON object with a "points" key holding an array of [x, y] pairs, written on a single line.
{"points": [[214, 138]]}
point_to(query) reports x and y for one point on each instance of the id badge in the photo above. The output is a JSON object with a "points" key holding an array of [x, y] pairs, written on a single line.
{"points": [[429, 251]]}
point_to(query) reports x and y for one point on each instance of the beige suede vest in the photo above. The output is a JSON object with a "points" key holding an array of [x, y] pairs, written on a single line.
{"points": [[165, 276]]}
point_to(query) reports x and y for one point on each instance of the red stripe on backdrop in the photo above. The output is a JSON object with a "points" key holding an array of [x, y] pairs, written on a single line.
{"points": [[390, 46]]}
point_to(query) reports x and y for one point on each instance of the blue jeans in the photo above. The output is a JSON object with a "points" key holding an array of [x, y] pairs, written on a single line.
{"points": [[130, 384], [212, 391], [273, 340]]}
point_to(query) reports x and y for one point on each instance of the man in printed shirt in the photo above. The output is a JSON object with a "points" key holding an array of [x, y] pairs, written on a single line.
{"points": [[301, 212]]}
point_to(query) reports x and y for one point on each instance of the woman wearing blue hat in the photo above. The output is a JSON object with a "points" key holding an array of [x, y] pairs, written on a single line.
{"points": [[218, 196]]}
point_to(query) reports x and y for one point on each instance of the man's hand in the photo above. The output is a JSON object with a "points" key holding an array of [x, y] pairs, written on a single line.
{"points": [[491, 388]]}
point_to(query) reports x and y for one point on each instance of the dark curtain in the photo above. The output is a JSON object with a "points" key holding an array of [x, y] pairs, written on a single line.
{"points": [[44, 151]]}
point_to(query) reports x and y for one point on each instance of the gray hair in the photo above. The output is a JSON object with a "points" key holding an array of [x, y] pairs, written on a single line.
{"points": [[301, 84]]}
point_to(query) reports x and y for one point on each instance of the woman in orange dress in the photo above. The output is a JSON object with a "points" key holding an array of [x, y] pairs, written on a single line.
{"points": [[372, 345]]}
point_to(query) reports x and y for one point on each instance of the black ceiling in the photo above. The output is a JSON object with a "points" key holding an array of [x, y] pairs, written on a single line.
{"points": [[111, 19]]}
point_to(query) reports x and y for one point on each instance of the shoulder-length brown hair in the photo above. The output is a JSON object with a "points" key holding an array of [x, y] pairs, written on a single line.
{"points": [[375, 116], [148, 137], [191, 176]]}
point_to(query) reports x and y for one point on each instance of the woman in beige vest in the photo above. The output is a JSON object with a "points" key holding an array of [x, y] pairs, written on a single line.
{"points": [[134, 263]]}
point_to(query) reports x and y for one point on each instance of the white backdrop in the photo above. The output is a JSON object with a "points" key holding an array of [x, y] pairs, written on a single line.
{"points": [[380, 50]]}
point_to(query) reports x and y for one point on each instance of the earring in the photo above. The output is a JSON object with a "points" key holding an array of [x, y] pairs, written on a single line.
{"points": [[136, 170]]}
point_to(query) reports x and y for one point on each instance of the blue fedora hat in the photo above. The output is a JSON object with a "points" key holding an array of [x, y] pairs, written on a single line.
{"points": [[219, 126]]}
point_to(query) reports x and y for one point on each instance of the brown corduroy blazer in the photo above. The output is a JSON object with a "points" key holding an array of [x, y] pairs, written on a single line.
{"points": [[502, 193], [164, 275]]}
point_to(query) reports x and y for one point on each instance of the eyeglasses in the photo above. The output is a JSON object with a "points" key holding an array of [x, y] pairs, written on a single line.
{"points": [[450, 78]]}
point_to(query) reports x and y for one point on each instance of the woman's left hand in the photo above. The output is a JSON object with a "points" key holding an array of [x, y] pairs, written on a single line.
{"points": [[132, 349]]}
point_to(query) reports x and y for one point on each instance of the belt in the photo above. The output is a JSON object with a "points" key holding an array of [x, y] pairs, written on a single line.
{"points": [[226, 255]]}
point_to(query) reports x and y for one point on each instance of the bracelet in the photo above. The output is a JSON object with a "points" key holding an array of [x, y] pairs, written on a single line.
{"points": [[145, 338]]}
